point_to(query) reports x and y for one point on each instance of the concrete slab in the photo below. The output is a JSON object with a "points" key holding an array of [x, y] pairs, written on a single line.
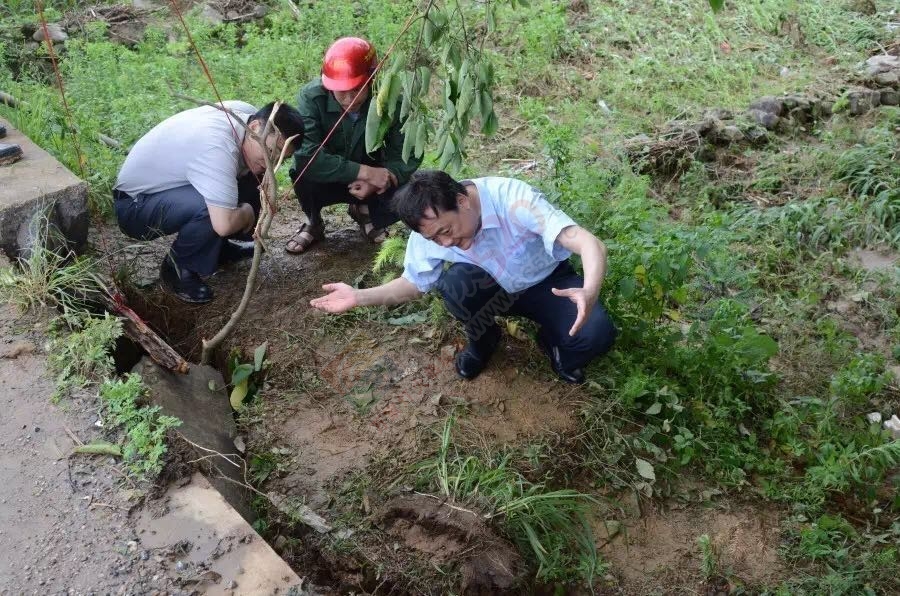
{"points": [[35, 185], [224, 555], [206, 422]]}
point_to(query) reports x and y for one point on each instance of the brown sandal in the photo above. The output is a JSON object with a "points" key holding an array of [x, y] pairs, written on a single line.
{"points": [[366, 229], [305, 237]]}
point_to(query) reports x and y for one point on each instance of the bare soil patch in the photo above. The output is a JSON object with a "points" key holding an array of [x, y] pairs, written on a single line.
{"points": [[660, 548]]}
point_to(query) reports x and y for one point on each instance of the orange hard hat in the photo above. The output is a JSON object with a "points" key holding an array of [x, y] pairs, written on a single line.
{"points": [[348, 63]]}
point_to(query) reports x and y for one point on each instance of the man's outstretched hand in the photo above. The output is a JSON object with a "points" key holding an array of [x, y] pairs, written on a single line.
{"points": [[340, 298], [583, 300]]}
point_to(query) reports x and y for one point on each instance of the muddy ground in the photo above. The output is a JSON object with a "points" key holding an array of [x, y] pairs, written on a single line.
{"points": [[354, 397], [65, 524]]}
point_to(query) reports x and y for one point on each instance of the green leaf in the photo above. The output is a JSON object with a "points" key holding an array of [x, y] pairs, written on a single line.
{"points": [[373, 122], [241, 373], [655, 409], [425, 74], [716, 5], [410, 319], [238, 394], [259, 355], [645, 469], [421, 138], [490, 125], [409, 140]]}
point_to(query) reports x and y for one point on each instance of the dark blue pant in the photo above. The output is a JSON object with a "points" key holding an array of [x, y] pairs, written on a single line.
{"points": [[181, 211], [314, 196], [475, 298]]}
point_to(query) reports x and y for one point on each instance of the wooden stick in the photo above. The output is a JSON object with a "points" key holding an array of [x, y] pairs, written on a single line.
{"points": [[138, 331]]}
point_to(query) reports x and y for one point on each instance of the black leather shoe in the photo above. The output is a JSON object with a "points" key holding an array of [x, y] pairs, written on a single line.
{"points": [[472, 360], [9, 153], [186, 286], [235, 251], [574, 376]]}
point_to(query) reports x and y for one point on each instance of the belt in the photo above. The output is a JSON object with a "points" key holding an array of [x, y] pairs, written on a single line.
{"points": [[118, 195]]}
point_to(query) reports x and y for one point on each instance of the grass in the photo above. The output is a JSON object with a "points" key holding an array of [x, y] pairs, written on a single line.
{"points": [[549, 525], [734, 365]]}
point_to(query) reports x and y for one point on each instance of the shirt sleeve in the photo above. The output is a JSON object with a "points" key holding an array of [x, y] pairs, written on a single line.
{"points": [[421, 266], [213, 172], [529, 209]]}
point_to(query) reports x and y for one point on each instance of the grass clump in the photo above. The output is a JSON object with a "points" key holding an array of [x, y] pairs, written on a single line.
{"points": [[80, 350], [144, 427], [548, 525]]}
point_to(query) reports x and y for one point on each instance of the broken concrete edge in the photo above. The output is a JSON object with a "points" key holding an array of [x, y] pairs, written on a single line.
{"points": [[36, 192], [225, 551], [216, 496]]}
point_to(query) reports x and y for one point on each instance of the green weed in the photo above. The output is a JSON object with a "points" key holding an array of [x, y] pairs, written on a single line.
{"points": [[80, 350], [49, 277], [144, 427], [548, 524]]}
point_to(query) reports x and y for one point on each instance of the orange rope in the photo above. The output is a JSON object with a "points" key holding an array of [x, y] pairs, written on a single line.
{"points": [[209, 77], [62, 90]]}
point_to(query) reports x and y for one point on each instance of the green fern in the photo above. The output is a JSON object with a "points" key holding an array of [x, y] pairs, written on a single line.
{"points": [[389, 260]]}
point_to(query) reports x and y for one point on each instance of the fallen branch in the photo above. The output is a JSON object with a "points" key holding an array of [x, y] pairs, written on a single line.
{"points": [[138, 331]]}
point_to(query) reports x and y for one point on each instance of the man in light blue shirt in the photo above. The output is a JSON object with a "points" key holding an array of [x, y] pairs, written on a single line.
{"points": [[507, 250]]}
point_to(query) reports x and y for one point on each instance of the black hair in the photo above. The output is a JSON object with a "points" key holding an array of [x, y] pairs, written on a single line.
{"points": [[426, 189], [288, 120]]}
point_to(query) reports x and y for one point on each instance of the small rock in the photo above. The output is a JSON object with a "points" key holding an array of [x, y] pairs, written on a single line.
{"points": [[612, 527], [603, 107], [54, 30], [863, 101], [770, 104], [882, 63], [211, 15], [889, 97], [769, 120], [280, 544], [719, 114], [731, 134], [756, 135], [799, 115], [823, 109], [260, 11], [887, 79], [893, 425], [874, 417], [145, 555], [785, 71], [231, 585], [705, 126]]}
